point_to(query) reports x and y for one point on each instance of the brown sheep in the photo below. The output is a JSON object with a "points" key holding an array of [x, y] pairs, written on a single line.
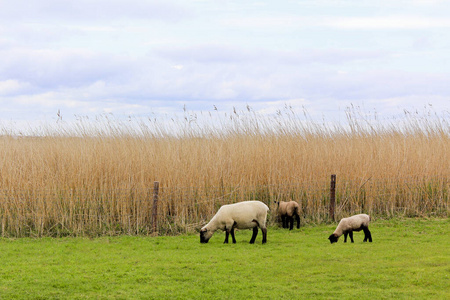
{"points": [[287, 211]]}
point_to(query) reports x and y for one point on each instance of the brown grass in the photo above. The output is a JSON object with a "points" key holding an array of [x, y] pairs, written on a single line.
{"points": [[96, 177]]}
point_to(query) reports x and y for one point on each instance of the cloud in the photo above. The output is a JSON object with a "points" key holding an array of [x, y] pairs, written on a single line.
{"points": [[49, 69], [378, 84], [387, 22], [206, 54], [11, 87], [211, 73], [297, 23], [92, 11], [140, 56]]}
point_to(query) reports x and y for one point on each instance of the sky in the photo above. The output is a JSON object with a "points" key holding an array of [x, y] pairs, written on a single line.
{"points": [[62, 59]]}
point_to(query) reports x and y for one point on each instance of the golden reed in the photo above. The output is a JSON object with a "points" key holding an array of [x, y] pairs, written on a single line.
{"points": [[96, 178]]}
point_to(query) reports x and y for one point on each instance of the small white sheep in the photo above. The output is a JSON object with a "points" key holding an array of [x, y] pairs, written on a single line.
{"points": [[354, 223], [287, 211], [241, 215]]}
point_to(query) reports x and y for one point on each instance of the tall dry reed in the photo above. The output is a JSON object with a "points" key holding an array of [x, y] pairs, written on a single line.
{"points": [[95, 177]]}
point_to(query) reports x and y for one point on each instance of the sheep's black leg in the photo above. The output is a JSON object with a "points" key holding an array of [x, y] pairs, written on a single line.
{"points": [[255, 233], [227, 233], [351, 236], [367, 235], [291, 223], [232, 235], [264, 232], [345, 237], [297, 217], [283, 220]]}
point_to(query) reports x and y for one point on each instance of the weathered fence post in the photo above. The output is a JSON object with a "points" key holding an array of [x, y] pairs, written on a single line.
{"points": [[332, 196], [155, 207]]}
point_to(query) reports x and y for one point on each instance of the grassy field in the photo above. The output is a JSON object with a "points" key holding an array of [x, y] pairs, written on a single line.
{"points": [[409, 258]]}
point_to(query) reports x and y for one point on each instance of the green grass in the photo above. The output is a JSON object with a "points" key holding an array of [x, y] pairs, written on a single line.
{"points": [[408, 259]]}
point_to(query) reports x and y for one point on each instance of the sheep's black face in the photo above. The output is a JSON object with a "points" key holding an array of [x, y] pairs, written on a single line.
{"points": [[204, 236], [333, 238]]}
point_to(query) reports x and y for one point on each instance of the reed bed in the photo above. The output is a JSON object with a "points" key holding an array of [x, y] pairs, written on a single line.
{"points": [[95, 177]]}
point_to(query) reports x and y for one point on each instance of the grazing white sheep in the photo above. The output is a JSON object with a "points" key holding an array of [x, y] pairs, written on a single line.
{"points": [[354, 223], [287, 211], [241, 215]]}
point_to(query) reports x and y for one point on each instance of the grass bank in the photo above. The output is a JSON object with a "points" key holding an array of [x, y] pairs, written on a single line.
{"points": [[409, 258]]}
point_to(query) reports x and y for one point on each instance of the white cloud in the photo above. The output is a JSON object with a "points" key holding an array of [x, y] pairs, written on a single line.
{"points": [[90, 11], [224, 54], [426, 2], [290, 22], [88, 57], [9, 87], [178, 67], [250, 76], [387, 22], [48, 69]]}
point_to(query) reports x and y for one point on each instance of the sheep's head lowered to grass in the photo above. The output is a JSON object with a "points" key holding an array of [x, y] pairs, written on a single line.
{"points": [[354, 223], [205, 235], [333, 238]]}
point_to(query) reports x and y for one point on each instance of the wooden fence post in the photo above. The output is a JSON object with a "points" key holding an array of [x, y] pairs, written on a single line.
{"points": [[155, 207], [332, 196]]}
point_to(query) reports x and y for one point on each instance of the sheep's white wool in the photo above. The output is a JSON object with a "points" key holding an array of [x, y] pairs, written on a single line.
{"points": [[287, 208], [241, 215], [287, 211], [352, 223]]}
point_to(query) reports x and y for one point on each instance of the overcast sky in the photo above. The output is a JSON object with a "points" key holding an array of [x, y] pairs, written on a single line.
{"points": [[136, 57]]}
